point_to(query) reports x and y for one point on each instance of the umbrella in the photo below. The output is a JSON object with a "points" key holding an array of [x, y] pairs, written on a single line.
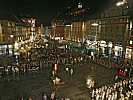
{"points": [[22, 51]]}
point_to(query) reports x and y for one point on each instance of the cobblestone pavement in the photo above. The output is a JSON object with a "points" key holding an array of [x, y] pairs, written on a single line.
{"points": [[72, 86]]}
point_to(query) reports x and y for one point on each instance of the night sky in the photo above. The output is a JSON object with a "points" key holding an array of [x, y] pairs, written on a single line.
{"points": [[45, 10]]}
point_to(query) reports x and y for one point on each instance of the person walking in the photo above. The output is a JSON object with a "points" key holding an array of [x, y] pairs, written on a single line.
{"points": [[53, 95], [71, 71], [30, 98], [44, 97]]}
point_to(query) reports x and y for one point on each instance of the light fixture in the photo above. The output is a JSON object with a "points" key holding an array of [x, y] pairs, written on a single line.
{"points": [[11, 36], [94, 24], [120, 3]]}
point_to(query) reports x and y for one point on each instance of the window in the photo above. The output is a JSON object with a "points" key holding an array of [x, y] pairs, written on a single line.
{"points": [[111, 29], [117, 29], [3, 31], [123, 29], [101, 29], [112, 21], [131, 42], [106, 29], [125, 11], [2, 24], [120, 20], [107, 21]]}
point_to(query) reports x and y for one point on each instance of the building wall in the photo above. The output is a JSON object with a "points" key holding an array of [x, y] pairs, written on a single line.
{"points": [[78, 31], [114, 29], [129, 46], [67, 32], [31, 29], [57, 29], [22, 33], [117, 30], [38, 30], [7, 29], [91, 30], [0, 33]]}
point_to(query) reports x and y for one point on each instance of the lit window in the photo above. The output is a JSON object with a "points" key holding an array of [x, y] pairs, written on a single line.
{"points": [[131, 42]]}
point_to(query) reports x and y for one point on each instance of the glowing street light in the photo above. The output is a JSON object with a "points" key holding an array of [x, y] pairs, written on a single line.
{"points": [[94, 24], [55, 68], [121, 3], [68, 25], [11, 36]]}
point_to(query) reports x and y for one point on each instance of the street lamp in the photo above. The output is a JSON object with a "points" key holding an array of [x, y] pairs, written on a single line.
{"points": [[11, 36], [121, 3], [94, 24]]}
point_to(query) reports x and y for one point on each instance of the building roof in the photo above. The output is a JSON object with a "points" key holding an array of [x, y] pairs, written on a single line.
{"points": [[12, 17]]}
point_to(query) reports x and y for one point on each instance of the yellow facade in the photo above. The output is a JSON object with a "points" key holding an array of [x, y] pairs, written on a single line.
{"points": [[6, 29], [78, 31]]}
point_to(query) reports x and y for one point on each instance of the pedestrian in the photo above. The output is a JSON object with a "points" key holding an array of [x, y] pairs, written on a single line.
{"points": [[67, 99], [71, 71], [93, 93], [103, 95], [53, 95], [30, 98], [44, 97], [115, 95], [21, 98], [93, 84]]}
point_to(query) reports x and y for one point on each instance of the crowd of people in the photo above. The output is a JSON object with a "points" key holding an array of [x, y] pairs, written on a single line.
{"points": [[20, 69], [121, 90]]}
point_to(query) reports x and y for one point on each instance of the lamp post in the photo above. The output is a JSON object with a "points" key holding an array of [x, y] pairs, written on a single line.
{"points": [[11, 36]]}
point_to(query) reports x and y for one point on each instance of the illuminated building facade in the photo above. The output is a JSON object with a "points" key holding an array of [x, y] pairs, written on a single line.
{"points": [[67, 31], [110, 30], [57, 29], [115, 28], [13, 32], [31, 30], [78, 31], [6, 29]]}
